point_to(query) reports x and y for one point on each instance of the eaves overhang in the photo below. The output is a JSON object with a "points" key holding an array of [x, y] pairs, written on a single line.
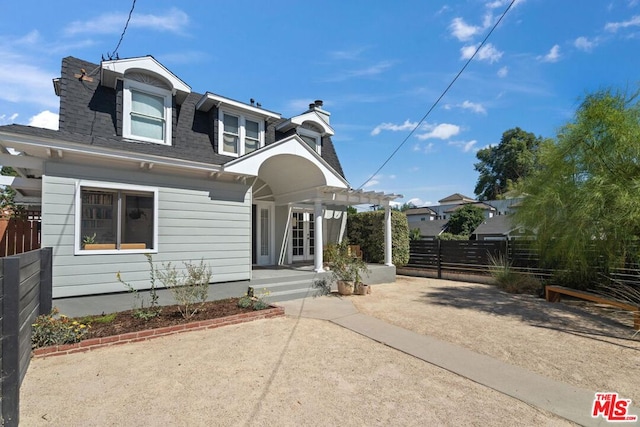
{"points": [[310, 116], [56, 149], [209, 100], [291, 146], [113, 70]]}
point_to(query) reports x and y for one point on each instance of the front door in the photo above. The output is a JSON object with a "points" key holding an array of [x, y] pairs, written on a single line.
{"points": [[302, 235]]}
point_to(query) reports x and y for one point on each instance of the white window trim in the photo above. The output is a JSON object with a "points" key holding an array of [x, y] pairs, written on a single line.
{"points": [[311, 134], [112, 186], [126, 111], [242, 118]]}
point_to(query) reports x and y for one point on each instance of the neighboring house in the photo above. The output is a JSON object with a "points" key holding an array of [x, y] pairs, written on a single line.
{"points": [[141, 164], [417, 215], [432, 220], [499, 228], [487, 210], [430, 230]]}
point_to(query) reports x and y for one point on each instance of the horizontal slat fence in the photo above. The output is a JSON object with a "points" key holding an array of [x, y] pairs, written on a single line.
{"points": [[472, 257], [25, 293]]}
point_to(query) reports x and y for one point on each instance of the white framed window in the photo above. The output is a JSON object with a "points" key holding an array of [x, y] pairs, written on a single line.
{"points": [[313, 139], [146, 113], [112, 218], [239, 134]]}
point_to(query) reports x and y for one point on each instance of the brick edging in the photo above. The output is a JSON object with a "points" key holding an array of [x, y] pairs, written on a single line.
{"points": [[94, 343]]}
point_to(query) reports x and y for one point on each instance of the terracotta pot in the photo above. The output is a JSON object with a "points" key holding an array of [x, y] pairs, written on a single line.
{"points": [[345, 287]]}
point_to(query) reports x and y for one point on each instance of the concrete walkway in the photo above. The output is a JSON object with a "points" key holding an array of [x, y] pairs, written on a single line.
{"points": [[564, 400]]}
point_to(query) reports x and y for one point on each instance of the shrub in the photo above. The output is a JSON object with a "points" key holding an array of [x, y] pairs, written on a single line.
{"points": [[322, 286], [367, 230], [255, 302], [139, 310], [510, 280], [190, 289], [54, 329]]}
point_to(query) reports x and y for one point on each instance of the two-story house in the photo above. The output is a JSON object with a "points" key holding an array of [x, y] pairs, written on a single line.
{"points": [[141, 164]]}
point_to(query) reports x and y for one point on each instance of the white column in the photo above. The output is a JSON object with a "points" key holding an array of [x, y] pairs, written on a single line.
{"points": [[387, 236], [318, 261]]}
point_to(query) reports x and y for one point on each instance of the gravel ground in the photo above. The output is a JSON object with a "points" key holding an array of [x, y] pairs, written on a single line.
{"points": [[565, 342], [297, 371]]}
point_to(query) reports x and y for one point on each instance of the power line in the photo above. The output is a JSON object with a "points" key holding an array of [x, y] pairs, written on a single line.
{"points": [[126, 25], [440, 97]]}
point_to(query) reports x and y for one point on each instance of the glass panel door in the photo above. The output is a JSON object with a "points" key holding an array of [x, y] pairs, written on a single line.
{"points": [[302, 235]]}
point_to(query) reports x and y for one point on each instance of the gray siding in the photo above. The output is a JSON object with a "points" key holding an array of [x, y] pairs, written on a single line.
{"points": [[197, 219]]}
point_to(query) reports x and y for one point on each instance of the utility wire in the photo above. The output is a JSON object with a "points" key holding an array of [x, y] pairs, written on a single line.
{"points": [[440, 97], [126, 25]]}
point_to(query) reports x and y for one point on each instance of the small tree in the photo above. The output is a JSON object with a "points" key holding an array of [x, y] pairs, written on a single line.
{"points": [[584, 202], [465, 220]]}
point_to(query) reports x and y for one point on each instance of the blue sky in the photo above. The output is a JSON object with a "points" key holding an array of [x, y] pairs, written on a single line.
{"points": [[378, 66]]}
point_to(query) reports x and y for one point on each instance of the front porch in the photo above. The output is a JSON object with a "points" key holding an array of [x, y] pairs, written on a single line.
{"points": [[283, 283]]}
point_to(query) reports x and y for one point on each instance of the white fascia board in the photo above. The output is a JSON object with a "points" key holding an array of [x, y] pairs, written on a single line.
{"points": [[22, 143], [310, 116], [143, 63], [209, 99], [293, 145]]}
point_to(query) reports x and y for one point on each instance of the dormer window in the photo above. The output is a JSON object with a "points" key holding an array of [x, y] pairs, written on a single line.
{"points": [[146, 113], [240, 134], [312, 136]]}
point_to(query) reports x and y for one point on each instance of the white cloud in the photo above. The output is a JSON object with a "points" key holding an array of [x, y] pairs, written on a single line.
{"points": [[416, 202], [407, 125], [500, 3], [615, 26], [502, 72], [468, 105], [584, 44], [45, 119], [476, 108], [4, 119], [373, 181], [466, 146], [174, 20], [487, 53], [463, 31], [552, 56], [23, 82], [441, 131]]}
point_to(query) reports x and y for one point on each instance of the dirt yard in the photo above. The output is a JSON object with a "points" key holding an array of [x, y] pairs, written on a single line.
{"points": [[297, 371], [562, 341]]}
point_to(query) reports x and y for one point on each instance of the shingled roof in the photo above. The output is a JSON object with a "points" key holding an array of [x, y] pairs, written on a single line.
{"points": [[89, 114]]}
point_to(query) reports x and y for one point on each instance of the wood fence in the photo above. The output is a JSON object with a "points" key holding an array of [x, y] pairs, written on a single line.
{"points": [[19, 235], [25, 293], [460, 258]]}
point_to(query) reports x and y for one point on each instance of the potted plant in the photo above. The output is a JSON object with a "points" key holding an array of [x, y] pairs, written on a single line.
{"points": [[347, 270]]}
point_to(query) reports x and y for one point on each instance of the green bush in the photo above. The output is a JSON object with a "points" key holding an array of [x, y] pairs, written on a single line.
{"points": [[190, 289], [255, 302], [54, 329], [510, 280], [450, 236], [366, 229]]}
